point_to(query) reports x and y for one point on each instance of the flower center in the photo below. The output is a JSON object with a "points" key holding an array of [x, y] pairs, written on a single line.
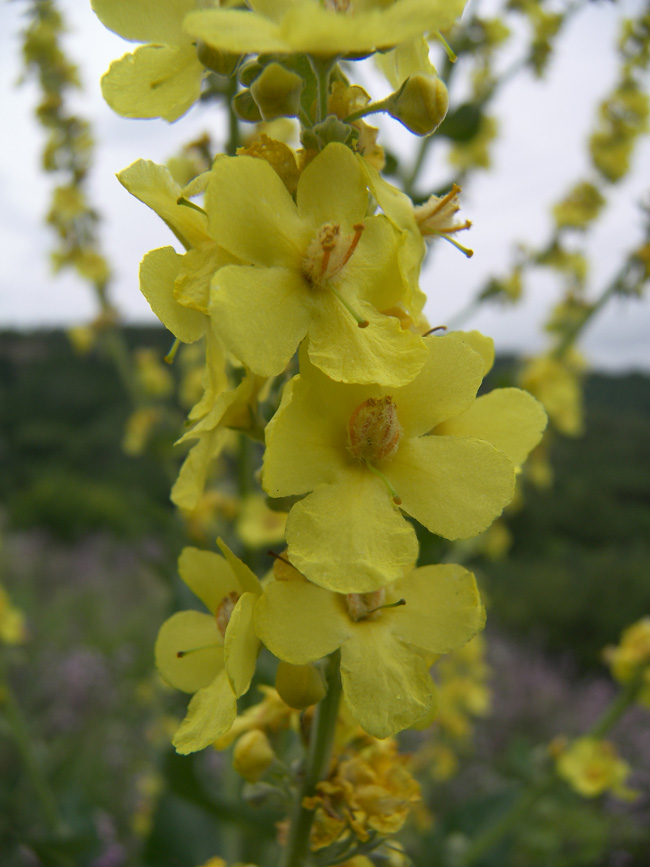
{"points": [[328, 252], [365, 606], [338, 5], [374, 430], [224, 611]]}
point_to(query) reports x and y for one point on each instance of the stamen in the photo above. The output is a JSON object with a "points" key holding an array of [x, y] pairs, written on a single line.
{"points": [[396, 498], [443, 201], [358, 231], [171, 355], [327, 252], [181, 653], [362, 323], [181, 200], [278, 557], [448, 49], [388, 605], [465, 250]]}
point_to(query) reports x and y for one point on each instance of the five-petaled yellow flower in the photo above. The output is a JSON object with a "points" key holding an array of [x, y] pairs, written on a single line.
{"points": [[383, 636], [211, 655], [368, 453], [317, 266]]}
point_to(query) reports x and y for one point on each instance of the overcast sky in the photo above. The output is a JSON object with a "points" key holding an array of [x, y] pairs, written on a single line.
{"points": [[540, 153]]}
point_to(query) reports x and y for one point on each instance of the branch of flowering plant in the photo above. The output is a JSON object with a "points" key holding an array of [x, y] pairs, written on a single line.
{"points": [[529, 796], [322, 67], [318, 757], [613, 288]]}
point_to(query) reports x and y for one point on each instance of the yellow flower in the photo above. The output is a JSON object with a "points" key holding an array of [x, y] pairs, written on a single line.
{"points": [[556, 383], [162, 79], [365, 453], [177, 287], [434, 609], [212, 655], [632, 656], [330, 28], [13, 629], [317, 266], [437, 217], [592, 767]]}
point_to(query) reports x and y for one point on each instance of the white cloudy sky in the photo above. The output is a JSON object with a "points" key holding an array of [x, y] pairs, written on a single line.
{"points": [[541, 151]]}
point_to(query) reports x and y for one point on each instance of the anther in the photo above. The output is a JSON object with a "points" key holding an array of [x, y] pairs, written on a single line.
{"points": [[465, 250], [358, 231], [181, 653], [171, 355]]}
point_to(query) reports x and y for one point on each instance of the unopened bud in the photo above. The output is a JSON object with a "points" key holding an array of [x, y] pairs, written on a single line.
{"points": [[252, 755], [216, 60], [248, 72], [277, 92], [245, 107], [420, 104], [299, 686]]}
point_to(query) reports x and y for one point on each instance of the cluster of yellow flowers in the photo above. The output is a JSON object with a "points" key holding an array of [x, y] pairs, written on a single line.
{"points": [[300, 277], [313, 254]]}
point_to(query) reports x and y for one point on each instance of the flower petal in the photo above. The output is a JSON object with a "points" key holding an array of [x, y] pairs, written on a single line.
{"points": [[245, 576], [158, 271], [154, 81], [386, 685], [479, 343], [208, 576], [332, 189], [241, 645], [252, 214], [154, 186], [210, 714], [349, 537], [443, 608], [446, 385], [261, 314], [300, 622], [145, 20], [454, 486], [183, 631], [190, 483], [235, 31], [306, 438], [509, 418], [383, 352]]}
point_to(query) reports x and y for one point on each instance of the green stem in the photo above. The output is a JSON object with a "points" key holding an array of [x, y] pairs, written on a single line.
{"points": [[529, 797], [571, 334], [318, 758], [23, 741], [233, 126], [611, 715], [486, 841], [322, 67]]}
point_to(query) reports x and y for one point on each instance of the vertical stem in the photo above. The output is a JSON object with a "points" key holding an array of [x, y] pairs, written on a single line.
{"points": [[18, 727], [233, 125], [322, 67], [318, 758]]}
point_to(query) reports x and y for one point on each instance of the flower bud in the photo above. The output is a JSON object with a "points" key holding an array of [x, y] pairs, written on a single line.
{"points": [[420, 104], [216, 60], [252, 755], [299, 686], [276, 92], [245, 107]]}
